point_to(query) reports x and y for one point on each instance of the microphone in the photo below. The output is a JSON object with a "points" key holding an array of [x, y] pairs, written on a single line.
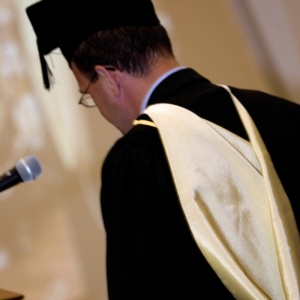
{"points": [[25, 170]]}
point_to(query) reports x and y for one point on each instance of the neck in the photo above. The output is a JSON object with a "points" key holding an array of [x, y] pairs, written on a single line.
{"points": [[160, 67], [136, 88]]}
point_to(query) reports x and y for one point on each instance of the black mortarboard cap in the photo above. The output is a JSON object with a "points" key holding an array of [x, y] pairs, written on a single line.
{"points": [[66, 24]]}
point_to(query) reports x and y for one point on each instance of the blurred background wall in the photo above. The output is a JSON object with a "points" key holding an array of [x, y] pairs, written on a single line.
{"points": [[52, 242]]}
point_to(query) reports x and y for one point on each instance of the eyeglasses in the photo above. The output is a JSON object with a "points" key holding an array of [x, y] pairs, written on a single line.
{"points": [[86, 99]]}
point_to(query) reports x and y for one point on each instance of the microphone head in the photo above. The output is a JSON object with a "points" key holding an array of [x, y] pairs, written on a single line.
{"points": [[29, 168]]}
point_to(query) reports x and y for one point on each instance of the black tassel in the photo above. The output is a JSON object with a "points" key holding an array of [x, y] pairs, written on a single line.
{"points": [[46, 72]]}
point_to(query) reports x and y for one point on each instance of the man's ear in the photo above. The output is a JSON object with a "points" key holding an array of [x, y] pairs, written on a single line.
{"points": [[109, 78]]}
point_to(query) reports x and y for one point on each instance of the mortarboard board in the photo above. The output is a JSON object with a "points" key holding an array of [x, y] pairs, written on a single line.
{"points": [[66, 24]]}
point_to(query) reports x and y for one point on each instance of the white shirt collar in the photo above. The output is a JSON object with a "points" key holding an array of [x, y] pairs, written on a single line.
{"points": [[156, 83]]}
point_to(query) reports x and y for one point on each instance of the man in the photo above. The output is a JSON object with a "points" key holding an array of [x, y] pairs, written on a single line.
{"points": [[122, 57]]}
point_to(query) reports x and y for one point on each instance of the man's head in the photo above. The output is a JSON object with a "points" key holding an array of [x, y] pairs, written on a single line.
{"points": [[96, 35]]}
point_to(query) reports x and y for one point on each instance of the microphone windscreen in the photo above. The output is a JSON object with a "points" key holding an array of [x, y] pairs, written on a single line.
{"points": [[29, 168]]}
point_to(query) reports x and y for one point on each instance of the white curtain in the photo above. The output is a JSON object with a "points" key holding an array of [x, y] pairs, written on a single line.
{"points": [[271, 28]]}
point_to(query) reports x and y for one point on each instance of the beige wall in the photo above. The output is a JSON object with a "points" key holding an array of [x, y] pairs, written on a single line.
{"points": [[52, 243], [207, 37]]}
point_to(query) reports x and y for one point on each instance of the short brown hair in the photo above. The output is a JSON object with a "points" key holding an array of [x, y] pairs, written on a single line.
{"points": [[129, 49]]}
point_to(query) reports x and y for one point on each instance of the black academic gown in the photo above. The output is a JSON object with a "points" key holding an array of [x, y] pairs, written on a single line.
{"points": [[151, 253]]}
